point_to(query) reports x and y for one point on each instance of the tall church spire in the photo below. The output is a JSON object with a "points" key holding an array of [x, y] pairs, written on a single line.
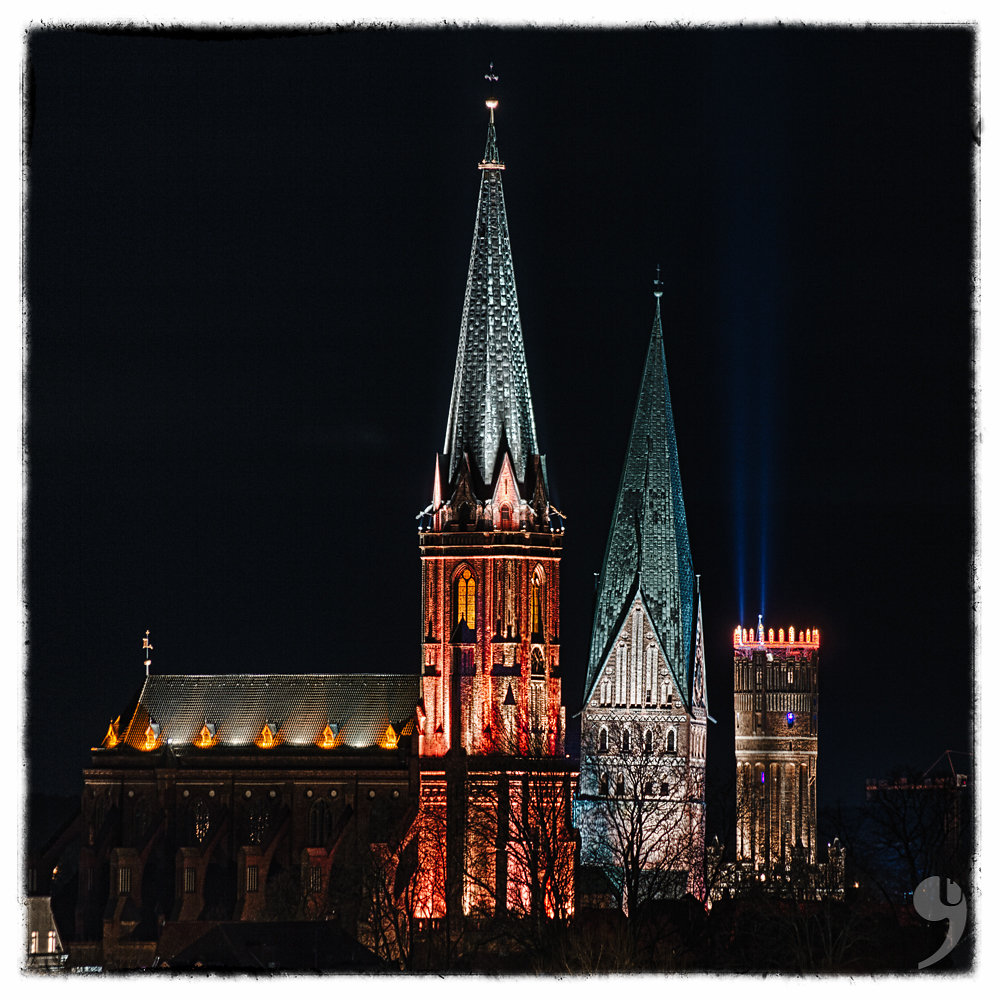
{"points": [[490, 397], [648, 555]]}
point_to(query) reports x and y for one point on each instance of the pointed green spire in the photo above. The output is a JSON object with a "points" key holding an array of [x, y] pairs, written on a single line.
{"points": [[490, 395], [648, 551]]}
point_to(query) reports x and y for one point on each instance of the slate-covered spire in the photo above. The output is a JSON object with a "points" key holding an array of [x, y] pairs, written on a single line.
{"points": [[648, 551], [490, 394]]}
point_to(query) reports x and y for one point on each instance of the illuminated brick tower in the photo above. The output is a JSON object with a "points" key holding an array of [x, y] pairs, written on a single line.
{"points": [[775, 699], [490, 546], [641, 800]]}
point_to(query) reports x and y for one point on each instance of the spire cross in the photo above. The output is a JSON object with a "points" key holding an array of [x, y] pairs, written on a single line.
{"points": [[149, 649]]}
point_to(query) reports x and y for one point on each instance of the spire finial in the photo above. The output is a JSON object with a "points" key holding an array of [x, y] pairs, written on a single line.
{"points": [[491, 102], [657, 284], [760, 627], [146, 645]]}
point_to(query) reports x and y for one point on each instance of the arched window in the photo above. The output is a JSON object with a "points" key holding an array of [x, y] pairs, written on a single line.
{"points": [[538, 602], [620, 785], [465, 600], [626, 741], [603, 743], [602, 787], [671, 741], [647, 742], [506, 521], [319, 824]]}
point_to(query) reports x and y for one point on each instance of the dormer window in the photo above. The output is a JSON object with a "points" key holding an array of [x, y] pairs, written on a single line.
{"points": [[206, 737], [506, 517], [267, 734], [328, 738], [152, 735]]}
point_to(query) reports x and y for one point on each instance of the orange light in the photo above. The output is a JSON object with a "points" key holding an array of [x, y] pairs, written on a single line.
{"points": [[770, 635], [492, 104], [111, 738], [327, 739], [266, 739], [151, 738], [206, 737], [781, 635], [390, 740], [791, 633]]}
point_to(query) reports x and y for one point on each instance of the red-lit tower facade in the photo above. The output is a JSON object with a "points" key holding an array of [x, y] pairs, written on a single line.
{"points": [[491, 714]]}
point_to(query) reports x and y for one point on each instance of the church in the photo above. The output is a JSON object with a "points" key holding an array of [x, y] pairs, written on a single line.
{"points": [[401, 808]]}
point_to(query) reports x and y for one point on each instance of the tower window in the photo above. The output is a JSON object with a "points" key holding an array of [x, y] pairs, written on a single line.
{"points": [[34, 942], [465, 600], [537, 663], [124, 881], [315, 878], [538, 602], [671, 741], [602, 785], [189, 880], [620, 785], [506, 521], [647, 743], [251, 878], [603, 742], [626, 741]]}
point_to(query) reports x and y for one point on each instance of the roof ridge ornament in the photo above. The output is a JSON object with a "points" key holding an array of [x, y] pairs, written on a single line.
{"points": [[657, 285], [147, 646]]}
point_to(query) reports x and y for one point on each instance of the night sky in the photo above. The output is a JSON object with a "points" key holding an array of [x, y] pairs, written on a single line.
{"points": [[246, 257]]}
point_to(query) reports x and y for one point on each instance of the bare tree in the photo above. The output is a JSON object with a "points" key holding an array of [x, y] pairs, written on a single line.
{"points": [[648, 828]]}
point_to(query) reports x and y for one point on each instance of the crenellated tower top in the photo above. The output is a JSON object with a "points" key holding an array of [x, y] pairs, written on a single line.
{"points": [[755, 638]]}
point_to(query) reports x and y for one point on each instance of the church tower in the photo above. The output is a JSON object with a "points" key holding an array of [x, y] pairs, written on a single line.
{"points": [[775, 701], [490, 542], [641, 802], [491, 724]]}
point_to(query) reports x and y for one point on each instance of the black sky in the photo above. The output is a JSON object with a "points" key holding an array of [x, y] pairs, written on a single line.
{"points": [[246, 256]]}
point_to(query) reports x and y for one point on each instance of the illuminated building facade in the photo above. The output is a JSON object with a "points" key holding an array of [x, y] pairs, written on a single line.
{"points": [[241, 797], [776, 706], [643, 734], [491, 723]]}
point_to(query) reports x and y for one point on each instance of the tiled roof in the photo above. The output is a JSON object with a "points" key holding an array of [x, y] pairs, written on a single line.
{"points": [[490, 393], [648, 545], [359, 708]]}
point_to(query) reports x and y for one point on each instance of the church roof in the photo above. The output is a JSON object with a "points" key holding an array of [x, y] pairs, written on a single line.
{"points": [[490, 394], [236, 707], [648, 551]]}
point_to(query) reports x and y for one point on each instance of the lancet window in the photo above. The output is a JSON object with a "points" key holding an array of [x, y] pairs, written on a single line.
{"points": [[538, 603], [465, 600]]}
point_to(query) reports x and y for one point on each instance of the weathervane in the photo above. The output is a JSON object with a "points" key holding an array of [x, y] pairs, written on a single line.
{"points": [[146, 645], [491, 75]]}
